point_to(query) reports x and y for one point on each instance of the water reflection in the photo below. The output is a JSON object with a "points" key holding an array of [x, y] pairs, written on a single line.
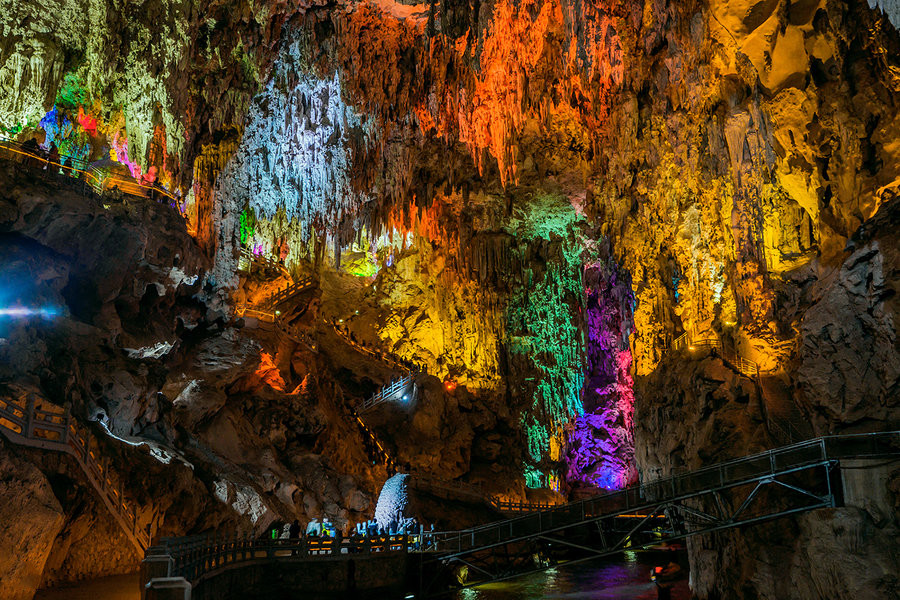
{"points": [[117, 587], [628, 579], [585, 581]]}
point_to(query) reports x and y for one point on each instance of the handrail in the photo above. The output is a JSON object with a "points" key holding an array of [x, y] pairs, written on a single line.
{"points": [[382, 453], [250, 258], [268, 313], [36, 428], [743, 365], [267, 309], [726, 474], [83, 170], [197, 557], [380, 356], [387, 391], [295, 333], [510, 506]]}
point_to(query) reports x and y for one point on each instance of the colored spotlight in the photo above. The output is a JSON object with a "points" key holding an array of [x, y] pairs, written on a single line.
{"points": [[24, 312]]}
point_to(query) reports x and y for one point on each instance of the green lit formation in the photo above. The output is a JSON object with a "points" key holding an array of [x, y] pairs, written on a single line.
{"points": [[248, 225], [543, 335]]}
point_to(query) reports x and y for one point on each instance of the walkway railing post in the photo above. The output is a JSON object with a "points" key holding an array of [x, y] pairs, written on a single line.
{"points": [[67, 422], [29, 417]]}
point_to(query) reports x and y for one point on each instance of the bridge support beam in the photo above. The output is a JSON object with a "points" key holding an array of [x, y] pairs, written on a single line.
{"points": [[168, 588]]}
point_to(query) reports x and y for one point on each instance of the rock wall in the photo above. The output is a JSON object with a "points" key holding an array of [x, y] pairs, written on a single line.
{"points": [[32, 518]]}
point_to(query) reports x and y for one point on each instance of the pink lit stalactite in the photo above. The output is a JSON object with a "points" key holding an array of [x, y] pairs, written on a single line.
{"points": [[120, 148]]}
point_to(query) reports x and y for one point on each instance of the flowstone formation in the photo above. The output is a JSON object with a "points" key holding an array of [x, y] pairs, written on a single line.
{"points": [[549, 208]]}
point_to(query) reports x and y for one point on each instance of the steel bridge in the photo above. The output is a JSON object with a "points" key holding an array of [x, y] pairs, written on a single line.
{"points": [[772, 484]]}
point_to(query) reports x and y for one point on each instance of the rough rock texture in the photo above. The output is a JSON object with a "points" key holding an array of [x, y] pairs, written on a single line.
{"points": [[846, 380], [849, 359], [32, 517], [207, 426], [454, 173]]}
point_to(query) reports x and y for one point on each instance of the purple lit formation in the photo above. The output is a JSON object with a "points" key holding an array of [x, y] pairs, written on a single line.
{"points": [[601, 442]]}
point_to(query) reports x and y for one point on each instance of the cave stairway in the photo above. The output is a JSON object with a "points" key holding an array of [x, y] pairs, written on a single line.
{"points": [[279, 303], [374, 448], [24, 424], [403, 389], [377, 354], [248, 260], [780, 482], [279, 310], [784, 420]]}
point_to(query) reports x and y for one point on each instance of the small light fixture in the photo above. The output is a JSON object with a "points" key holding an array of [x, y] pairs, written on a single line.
{"points": [[690, 347]]}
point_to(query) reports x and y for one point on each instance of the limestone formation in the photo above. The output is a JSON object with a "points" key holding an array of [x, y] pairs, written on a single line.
{"points": [[610, 240]]}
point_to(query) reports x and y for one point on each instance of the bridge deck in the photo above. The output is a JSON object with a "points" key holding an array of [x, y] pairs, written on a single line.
{"points": [[802, 475]]}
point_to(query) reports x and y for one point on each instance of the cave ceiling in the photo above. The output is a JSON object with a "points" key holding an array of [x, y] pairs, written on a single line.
{"points": [[536, 197]]}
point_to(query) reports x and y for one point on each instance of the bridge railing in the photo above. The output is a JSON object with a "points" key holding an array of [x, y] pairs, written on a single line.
{"points": [[296, 334], [521, 507], [80, 169], [267, 310], [295, 288], [388, 391], [195, 556], [24, 424], [248, 259], [726, 474], [687, 342]]}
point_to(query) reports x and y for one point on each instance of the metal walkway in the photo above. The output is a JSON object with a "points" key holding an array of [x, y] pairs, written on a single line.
{"points": [[25, 425], [756, 488], [403, 389], [80, 170], [749, 490], [248, 259]]}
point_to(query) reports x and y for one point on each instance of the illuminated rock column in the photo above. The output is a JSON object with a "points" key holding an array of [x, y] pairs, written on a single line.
{"points": [[601, 441]]}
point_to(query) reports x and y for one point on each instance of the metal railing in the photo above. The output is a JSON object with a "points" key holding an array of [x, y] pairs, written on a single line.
{"points": [[375, 353], [521, 507], [645, 496], [295, 333], [376, 447], [197, 557], [26, 425], [79, 169], [268, 312], [248, 259], [744, 366], [387, 392], [268, 309]]}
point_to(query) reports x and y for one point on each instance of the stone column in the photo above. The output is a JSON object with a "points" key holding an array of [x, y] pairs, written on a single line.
{"points": [[156, 564], [168, 588]]}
